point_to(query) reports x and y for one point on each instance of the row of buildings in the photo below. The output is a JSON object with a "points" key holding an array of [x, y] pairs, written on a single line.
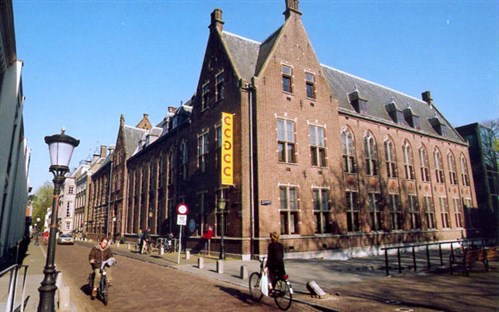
{"points": [[14, 151], [334, 163]]}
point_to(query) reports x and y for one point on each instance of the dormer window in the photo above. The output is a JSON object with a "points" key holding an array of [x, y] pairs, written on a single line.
{"points": [[219, 86], [438, 126], [287, 81], [411, 119], [395, 113], [310, 85], [358, 103], [205, 96]]}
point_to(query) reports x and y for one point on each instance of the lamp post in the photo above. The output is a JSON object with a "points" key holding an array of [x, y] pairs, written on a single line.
{"points": [[61, 148], [221, 206]]}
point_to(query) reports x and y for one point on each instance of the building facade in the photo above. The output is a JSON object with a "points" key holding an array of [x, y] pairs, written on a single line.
{"points": [[337, 164]]}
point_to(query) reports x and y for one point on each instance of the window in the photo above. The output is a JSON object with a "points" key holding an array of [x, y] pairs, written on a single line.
{"points": [[425, 165], [287, 82], [429, 211], [317, 146], [352, 211], [458, 212], [371, 157], [412, 202], [411, 119], [469, 215], [310, 85], [347, 147], [439, 167], [219, 135], [202, 150], [171, 158], [444, 212], [205, 96], [438, 126], [68, 210], [375, 212], [359, 104], [408, 161], [161, 168], [396, 212], [464, 172], [184, 159], [391, 162], [288, 197], [286, 140], [71, 190], [321, 210], [219, 86], [452, 169]]}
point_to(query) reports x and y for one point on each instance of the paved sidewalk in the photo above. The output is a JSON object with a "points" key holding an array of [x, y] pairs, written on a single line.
{"points": [[352, 285]]}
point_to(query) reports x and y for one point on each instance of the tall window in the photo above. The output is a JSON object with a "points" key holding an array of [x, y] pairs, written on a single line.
{"points": [[286, 140], [458, 212], [452, 169], [352, 211], [439, 167], [202, 150], [317, 146], [371, 156], [171, 160], [205, 96], [429, 211], [310, 85], [288, 197], [408, 161], [444, 212], [425, 165], [469, 216], [287, 78], [184, 159], [161, 170], [348, 151], [464, 171], [396, 212], [321, 210], [375, 211], [391, 161], [219, 86], [412, 203]]}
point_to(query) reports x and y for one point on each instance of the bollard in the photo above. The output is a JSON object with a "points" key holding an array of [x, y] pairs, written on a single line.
{"points": [[187, 254], [161, 250], [200, 263], [315, 290], [220, 266], [64, 299], [128, 246], [244, 272], [118, 244]]}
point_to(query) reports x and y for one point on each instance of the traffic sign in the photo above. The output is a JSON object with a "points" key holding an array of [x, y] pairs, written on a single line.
{"points": [[181, 219], [182, 209]]}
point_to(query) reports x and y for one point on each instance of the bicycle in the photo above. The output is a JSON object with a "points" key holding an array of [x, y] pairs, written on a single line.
{"points": [[281, 291], [102, 290]]}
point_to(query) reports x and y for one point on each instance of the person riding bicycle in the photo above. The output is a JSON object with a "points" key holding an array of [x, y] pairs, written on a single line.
{"points": [[275, 260], [98, 254]]}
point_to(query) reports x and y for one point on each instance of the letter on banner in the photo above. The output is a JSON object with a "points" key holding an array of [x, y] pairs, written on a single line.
{"points": [[227, 150]]}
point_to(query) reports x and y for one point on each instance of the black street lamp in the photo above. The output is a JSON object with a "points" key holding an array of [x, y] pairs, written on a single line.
{"points": [[221, 207], [61, 148]]}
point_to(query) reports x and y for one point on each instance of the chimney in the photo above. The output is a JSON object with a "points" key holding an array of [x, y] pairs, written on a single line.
{"points": [[216, 21], [103, 151], [292, 7], [427, 97]]}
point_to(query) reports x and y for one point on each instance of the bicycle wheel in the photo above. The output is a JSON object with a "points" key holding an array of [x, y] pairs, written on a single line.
{"points": [[282, 294], [104, 293], [254, 286]]}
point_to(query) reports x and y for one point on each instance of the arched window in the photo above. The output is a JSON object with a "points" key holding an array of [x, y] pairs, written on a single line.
{"points": [[464, 171], [183, 160], [439, 166], [408, 161], [161, 170], [391, 161], [371, 156], [348, 151], [424, 164], [171, 158], [451, 161]]}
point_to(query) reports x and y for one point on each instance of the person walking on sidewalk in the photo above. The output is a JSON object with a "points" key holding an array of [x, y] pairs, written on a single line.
{"points": [[97, 255], [275, 261]]}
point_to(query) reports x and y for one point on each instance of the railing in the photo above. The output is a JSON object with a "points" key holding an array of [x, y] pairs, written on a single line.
{"points": [[426, 246], [12, 287]]}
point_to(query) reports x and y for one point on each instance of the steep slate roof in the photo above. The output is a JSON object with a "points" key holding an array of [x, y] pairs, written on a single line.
{"points": [[131, 138], [249, 57]]}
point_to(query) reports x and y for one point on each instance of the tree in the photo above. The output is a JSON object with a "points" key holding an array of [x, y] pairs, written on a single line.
{"points": [[42, 200], [492, 142]]}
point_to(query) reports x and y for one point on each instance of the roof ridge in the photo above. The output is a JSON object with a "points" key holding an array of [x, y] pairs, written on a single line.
{"points": [[241, 37]]}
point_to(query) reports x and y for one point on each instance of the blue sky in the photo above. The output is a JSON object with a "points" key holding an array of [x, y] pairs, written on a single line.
{"points": [[88, 62]]}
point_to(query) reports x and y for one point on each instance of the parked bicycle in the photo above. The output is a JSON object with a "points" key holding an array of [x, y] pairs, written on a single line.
{"points": [[102, 290], [281, 289], [166, 243]]}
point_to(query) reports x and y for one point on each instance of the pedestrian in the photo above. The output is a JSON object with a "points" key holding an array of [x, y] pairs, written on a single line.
{"points": [[139, 241], [97, 255], [207, 235], [275, 260], [37, 234], [146, 239]]}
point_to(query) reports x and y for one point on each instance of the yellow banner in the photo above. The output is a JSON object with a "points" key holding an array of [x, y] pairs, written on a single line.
{"points": [[227, 150]]}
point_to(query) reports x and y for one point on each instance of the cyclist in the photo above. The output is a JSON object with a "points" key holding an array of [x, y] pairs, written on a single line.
{"points": [[97, 255], [275, 261]]}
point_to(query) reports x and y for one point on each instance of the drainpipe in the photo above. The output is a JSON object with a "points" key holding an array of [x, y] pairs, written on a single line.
{"points": [[249, 87]]}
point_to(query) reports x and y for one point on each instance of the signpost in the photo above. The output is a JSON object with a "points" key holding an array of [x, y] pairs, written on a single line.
{"points": [[182, 210]]}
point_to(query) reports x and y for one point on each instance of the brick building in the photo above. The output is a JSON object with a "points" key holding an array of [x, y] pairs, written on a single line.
{"points": [[335, 163]]}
